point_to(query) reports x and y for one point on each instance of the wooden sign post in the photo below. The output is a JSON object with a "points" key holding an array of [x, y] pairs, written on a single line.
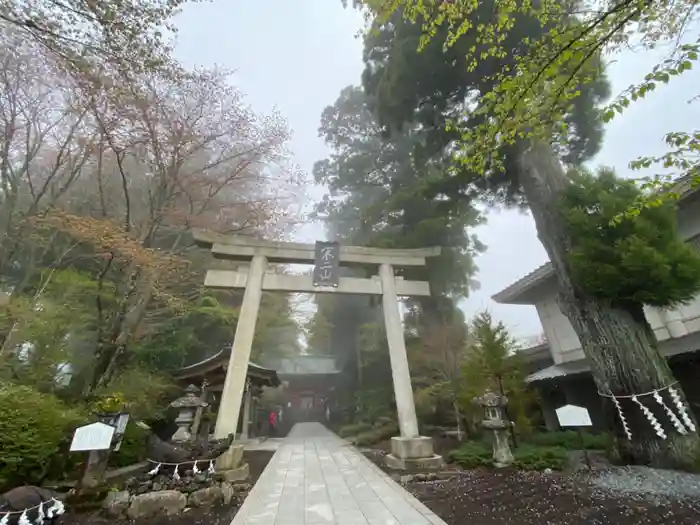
{"points": [[95, 440], [572, 416]]}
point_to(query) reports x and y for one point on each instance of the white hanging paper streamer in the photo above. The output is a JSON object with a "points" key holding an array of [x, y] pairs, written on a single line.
{"points": [[623, 420], [650, 417], [56, 509], [176, 474], [23, 519], [671, 415], [40, 515], [681, 409]]}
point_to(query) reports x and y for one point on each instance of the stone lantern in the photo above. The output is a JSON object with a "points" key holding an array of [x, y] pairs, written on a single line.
{"points": [[495, 421], [187, 406]]}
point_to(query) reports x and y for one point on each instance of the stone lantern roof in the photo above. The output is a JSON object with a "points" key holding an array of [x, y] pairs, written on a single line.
{"points": [[190, 399], [491, 399]]}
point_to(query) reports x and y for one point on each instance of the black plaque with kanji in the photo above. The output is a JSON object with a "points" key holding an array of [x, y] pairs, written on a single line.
{"points": [[327, 264]]}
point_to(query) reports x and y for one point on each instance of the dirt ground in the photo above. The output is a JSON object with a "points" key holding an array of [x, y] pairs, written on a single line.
{"points": [[516, 498], [620, 496], [257, 461], [617, 496]]}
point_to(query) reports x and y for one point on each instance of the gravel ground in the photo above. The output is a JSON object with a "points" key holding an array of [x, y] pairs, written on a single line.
{"points": [[644, 483], [484, 497], [613, 496]]}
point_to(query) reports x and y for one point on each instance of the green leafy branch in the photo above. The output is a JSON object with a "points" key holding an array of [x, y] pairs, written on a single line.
{"points": [[683, 158], [661, 73], [531, 96]]}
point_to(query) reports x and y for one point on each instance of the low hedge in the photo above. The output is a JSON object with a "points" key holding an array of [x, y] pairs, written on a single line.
{"points": [[475, 454], [530, 457], [472, 454], [354, 429], [35, 433], [570, 440], [382, 432]]}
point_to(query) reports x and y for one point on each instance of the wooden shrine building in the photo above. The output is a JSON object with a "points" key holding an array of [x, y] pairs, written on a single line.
{"points": [[210, 374], [309, 383]]}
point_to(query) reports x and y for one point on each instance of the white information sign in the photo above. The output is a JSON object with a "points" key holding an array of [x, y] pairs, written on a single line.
{"points": [[96, 436], [573, 416]]}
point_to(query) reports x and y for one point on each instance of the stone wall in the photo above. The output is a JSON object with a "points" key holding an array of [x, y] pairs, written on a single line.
{"points": [[147, 496]]}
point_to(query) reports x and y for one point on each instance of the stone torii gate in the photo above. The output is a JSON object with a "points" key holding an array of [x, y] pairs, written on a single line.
{"points": [[408, 449]]}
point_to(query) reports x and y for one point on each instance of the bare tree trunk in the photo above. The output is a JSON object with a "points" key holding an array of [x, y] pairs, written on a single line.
{"points": [[621, 349], [126, 330]]}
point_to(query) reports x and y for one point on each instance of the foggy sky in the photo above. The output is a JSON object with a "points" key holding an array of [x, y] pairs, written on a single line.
{"points": [[296, 55]]}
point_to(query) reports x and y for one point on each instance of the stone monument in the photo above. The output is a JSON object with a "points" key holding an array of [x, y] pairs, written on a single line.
{"points": [[495, 421]]}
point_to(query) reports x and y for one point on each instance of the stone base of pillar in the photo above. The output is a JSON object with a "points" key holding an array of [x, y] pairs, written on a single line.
{"points": [[435, 462], [240, 473], [413, 453], [231, 459]]}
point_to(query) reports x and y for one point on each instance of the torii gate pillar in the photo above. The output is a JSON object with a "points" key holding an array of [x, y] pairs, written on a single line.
{"points": [[407, 450], [403, 391]]}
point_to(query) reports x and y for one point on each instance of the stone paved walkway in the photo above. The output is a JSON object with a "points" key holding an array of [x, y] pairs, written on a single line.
{"points": [[316, 478]]}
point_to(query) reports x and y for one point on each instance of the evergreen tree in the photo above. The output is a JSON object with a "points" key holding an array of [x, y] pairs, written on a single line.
{"points": [[457, 87], [374, 200], [375, 197], [492, 362], [626, 261]]}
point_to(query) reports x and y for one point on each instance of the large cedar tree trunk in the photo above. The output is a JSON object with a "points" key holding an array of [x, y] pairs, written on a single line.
{"points": [[621, 348]]}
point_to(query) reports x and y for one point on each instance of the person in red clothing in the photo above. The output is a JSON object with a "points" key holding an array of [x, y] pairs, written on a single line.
{"points": [[272, 419]]}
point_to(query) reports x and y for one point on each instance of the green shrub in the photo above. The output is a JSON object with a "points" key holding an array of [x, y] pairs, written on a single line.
{"points": [[475, 454], [35, 430], [472, 454], [354, 429], [529, 457], [570, 440], [133, 449], [377, 434]]}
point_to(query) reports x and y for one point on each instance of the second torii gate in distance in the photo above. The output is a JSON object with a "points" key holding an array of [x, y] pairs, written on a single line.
{"points": [[408, 449]]}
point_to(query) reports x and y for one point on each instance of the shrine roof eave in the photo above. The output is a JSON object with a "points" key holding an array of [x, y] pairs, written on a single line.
{"points": [[310, 375], [217, 364], [516, 292]]}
